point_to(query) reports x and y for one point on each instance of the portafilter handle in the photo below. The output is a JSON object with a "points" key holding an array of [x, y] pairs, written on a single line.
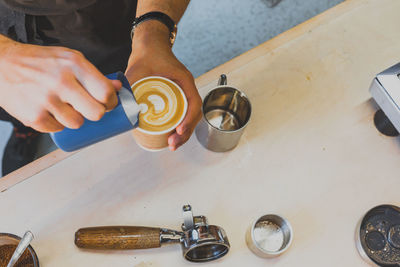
{"points": [[125, 237]]}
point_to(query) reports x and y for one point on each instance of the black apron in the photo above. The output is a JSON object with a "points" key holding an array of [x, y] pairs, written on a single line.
{"points": [[100, 29]]}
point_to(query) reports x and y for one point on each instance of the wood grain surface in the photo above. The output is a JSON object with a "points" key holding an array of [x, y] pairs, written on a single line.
{"points": [[118, 237]]}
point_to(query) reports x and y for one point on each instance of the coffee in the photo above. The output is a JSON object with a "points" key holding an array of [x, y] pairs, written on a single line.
{"points": [[6, 252], [163, 107], [162, 104]]}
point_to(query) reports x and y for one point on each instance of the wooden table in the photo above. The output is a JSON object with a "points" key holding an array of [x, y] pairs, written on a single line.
{"points": [[311, 153]]}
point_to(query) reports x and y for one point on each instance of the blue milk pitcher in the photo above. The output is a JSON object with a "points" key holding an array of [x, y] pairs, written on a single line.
{"points": [[122, 118]]}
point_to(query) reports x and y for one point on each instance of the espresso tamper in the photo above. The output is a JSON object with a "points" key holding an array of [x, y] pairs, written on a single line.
{"points": [[200, 241], [385, 89]]}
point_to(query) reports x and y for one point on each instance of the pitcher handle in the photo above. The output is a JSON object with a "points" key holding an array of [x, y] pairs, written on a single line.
{"points": [[222, 80]]}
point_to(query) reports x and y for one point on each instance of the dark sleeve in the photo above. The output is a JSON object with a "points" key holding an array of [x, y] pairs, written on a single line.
{"points": [[12, 24]]}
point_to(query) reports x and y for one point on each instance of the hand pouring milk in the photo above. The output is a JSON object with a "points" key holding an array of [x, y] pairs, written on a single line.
{"points": [[122, 118]]}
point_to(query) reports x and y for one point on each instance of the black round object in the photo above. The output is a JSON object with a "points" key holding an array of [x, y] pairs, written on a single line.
{"points": [[375, 241], [379, 235], [394, 236], [384, 125]]}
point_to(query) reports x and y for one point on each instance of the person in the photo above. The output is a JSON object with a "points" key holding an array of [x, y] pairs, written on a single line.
{"points": [[54, 55]]}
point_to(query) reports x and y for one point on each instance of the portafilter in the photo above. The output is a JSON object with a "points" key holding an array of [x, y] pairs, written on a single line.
{"points": [[200, 241]]}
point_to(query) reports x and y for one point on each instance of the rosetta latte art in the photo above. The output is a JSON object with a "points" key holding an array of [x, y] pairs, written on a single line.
{"points": [[161, 102]]}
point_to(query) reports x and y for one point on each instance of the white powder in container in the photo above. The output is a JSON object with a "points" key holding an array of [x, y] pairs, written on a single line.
{"points": [[268, 236]]}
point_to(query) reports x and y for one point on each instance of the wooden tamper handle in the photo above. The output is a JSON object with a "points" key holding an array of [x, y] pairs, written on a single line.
{"points": [[118, 237]]}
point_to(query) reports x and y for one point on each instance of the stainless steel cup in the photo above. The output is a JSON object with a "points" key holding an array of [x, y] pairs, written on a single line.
{"points": [[269, 236], [226, 113]]}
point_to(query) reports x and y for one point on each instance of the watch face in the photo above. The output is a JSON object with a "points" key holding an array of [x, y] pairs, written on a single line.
{"points": [[172, 35]]}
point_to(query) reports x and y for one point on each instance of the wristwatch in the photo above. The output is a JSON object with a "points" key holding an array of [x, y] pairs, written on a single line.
{"points": [[163, 18]]}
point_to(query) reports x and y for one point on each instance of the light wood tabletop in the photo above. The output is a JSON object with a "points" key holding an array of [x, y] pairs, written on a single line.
{"points": [[311, 153]]}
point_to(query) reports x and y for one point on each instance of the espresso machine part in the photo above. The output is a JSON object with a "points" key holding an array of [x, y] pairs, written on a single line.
{"points": [[378, 236], [269, 236], [385, 89], [200, 241]]}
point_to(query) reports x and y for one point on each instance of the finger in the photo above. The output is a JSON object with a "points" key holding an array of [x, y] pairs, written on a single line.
{"points": [[193, 114], [175, 140], [117, 84], [74, 94], [65, 114], [46, 124], [98, 86]]}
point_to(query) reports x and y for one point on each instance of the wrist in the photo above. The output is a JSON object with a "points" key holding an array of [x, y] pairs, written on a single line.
{"points": [[150, 34]]}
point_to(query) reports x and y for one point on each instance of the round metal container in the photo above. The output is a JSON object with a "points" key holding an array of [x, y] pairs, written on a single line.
{"points": [[205, 243], [378, 236], [269, 236], [10, 239], [226, 113]]}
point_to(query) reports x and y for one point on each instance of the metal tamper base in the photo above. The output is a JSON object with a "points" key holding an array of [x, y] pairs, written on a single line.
{"points": [[385, 89], [378, 236]]}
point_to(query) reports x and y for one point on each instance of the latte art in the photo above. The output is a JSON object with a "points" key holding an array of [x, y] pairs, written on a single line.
{"points": [[162, 104]]}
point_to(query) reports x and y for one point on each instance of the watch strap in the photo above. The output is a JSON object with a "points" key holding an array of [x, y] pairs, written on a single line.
{"points": [[155, 15]]}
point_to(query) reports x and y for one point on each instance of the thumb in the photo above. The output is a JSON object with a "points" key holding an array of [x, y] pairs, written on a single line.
{"points": [[117, 84], [135, 74]]}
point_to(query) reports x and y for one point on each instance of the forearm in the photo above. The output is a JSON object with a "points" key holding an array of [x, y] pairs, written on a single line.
{"points": [[154, 33], [173, 8]]}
